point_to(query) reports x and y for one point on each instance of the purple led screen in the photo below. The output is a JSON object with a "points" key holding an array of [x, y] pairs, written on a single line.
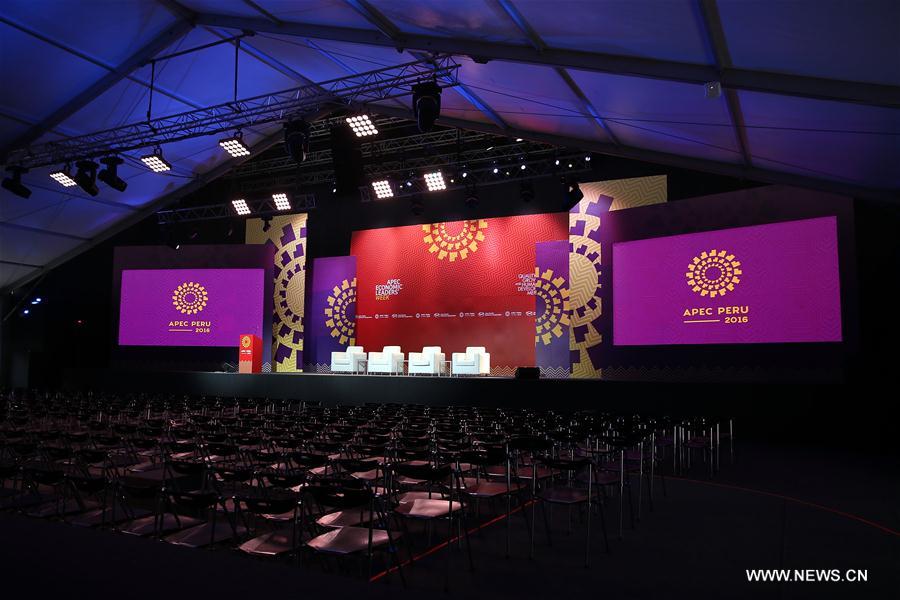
{"points": [[770, 283], [190, 307]]}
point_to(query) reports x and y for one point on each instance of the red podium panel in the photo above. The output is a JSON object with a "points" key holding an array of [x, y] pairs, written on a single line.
{"points": [[249, 354]]}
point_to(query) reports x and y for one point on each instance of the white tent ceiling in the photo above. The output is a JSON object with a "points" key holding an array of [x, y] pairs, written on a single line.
{"points": [[811, 89]]}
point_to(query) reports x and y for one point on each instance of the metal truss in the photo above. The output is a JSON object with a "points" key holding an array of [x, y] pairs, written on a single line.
{"points": [[482, 176], [413, 146], [362, 88], [258, 208], [484, 157]]}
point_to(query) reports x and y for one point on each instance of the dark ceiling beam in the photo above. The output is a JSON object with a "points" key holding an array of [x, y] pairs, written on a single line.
{"points": [[538, 43], [116, 74], [387, 28], [711, 25], [736, 170], [742, 79]]}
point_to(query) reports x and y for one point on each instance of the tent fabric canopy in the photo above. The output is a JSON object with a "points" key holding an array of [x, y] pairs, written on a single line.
{"points": [[810, 90]]}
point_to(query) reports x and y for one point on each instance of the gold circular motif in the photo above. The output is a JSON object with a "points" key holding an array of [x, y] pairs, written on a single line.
{"points": [[189, 298], [454, 245], [555, 294], [713, 273]]}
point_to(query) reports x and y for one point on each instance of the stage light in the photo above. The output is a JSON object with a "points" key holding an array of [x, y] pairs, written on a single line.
{"points": [[235, 146], [362, 125], [587, 158], [557, 162], [155, 162], [465, 174], [570, 165], [518, 139], [240, 207], [426, 104], [496, 170], [110, 175], [281, 202], [522, 167], [26, 312], [86, 176], [267, 223], [435, 181], [14, 184], [489, 148], [383, 189], [334, 190], [63, 178], [296, 140]]}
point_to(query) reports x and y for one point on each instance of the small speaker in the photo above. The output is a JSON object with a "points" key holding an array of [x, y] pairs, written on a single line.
{"points": [[528, 373]]}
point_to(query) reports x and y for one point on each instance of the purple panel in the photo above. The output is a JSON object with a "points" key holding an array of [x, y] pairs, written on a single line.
{"points": [[190, 307], [327, 330], [552, 300], [769, 283]]}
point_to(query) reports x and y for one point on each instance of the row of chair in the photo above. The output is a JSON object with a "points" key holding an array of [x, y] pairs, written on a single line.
{"points": [[361, 485]]}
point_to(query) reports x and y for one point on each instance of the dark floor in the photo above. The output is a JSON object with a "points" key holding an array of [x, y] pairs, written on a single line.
{"points": [[774, 508]]}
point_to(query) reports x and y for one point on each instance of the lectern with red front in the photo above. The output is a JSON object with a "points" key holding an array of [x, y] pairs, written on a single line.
{"points": [[249, 354]]}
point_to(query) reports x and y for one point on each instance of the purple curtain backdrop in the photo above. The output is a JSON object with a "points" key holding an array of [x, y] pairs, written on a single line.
{"points": [[332, 314], [552, 307]]}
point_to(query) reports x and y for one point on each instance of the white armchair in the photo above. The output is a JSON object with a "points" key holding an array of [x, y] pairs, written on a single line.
{"points": [[474, 361], [430, 361], [349, 361], [389, 360]]}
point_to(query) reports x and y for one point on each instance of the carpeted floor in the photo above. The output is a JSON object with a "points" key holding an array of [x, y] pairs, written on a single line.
{"points": [[776, 507]]}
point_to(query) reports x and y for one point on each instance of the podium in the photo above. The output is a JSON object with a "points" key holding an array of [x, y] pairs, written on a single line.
{"points": [[249, 354]]}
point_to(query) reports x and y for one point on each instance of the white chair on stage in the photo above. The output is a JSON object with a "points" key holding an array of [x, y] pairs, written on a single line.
{"points": [[349, 361], [429, 361], [389, 360], [474, 361]]}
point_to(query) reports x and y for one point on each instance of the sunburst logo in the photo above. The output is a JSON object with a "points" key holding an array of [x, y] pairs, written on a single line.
{"points": [[447, 242], [337, 317], [189, 298], [246, 341], [555, 295], [714, 273]]}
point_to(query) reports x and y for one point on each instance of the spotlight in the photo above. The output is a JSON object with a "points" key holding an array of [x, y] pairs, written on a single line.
{"points": [[557, 162], [110, 175], [570, 165], [296, 140], [334, 190], [518, 139], [240, 207], [435, 181], [156, 162], [526, 191], [522, 167], [86, 176], [426, 104], [235, 146], [63, 178], [383, 189], [471, 195], [281, 202], [496, 170], [465, 174], [267, 223], [587, 158], [13, 183], [362, 125], [26, 312]]}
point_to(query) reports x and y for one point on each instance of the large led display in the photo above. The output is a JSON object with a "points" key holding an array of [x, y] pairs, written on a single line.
{"points": [[190, 307], [770, 283], [454, 284]]}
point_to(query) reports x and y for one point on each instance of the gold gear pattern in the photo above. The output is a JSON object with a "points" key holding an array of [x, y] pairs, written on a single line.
{"points": [[189, 298], [454, 245], [342, 326], [555, 316], [727, 273]]}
